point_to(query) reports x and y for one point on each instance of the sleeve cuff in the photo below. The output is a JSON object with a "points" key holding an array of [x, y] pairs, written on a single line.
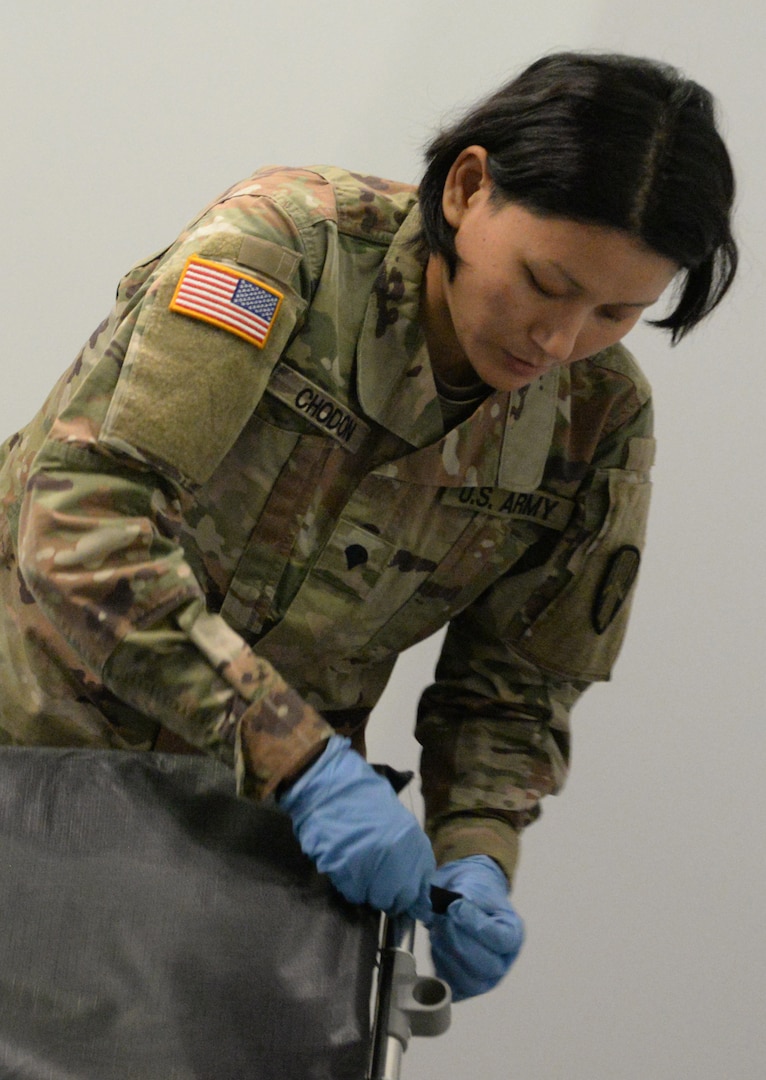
{"points": [[277, 735], [465, 836]]}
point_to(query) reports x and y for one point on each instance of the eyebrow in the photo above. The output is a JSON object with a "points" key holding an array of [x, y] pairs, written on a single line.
{"points": [[581, 288]]}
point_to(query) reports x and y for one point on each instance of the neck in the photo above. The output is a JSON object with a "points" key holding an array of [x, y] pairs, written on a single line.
{"points": [[448, 360]]}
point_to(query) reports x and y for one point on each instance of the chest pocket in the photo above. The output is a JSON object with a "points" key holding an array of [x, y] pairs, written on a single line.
{"points": [[298, 485], [252, 601]]}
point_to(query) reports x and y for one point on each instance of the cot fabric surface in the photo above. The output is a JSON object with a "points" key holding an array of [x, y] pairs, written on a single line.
{"points": [[157, 927]]}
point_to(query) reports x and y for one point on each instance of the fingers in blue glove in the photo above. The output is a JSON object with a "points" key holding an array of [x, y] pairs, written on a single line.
{"points": [[477, 939], [348, 819]]}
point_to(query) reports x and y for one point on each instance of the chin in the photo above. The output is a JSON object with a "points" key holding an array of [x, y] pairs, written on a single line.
{"points": [[507, 382]]}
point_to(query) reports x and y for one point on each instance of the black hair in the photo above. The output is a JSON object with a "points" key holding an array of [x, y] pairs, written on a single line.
{"points": [[611, 140]]}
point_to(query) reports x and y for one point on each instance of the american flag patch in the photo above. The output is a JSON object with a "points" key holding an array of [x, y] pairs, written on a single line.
{"points": [[225, 297]]}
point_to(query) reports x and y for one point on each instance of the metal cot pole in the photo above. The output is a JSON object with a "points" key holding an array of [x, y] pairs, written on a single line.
{"points": [[406, 1003]]}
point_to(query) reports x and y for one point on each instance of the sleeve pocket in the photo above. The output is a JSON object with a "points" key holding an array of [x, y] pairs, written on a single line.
{"points": [[187, 387], [579, 633]]}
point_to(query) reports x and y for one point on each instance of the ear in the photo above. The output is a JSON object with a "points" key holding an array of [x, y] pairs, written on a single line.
{"points": [[468, 175]]}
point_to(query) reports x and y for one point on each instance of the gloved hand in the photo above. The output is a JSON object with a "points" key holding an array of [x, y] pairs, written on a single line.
{"points": [[350, 822], [475, 941]]}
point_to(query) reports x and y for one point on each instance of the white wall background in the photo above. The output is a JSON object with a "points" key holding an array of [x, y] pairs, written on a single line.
{"points": [[643, 885]]}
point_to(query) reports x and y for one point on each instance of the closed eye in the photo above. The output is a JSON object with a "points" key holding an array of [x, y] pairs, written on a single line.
{"points": [[539, 288], [615, 316]]}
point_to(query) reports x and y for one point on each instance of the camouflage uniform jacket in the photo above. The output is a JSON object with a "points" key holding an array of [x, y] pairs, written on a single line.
{"points": [[240, 505]]}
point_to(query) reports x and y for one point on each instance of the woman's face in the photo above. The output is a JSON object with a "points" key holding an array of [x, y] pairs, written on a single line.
{"points": [[530, 292]]}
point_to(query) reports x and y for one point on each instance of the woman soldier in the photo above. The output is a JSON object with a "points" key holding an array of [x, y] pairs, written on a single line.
{"points": [[339, 413]]}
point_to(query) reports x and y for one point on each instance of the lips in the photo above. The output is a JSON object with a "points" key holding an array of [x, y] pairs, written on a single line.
{"points": [[522, 367]]}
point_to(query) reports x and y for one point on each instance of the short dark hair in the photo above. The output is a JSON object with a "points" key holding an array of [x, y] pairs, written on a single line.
{"points": [[610, 140]]}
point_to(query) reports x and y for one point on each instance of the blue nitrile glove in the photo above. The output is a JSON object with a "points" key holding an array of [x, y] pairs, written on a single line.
{"points": [[475, 941], [350, 822]]}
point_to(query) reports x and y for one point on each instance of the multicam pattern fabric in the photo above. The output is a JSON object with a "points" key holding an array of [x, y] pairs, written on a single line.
{"points": [[234, 543]]}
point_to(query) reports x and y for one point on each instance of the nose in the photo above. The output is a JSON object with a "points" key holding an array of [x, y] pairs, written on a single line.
{"points": [[558, 336]]}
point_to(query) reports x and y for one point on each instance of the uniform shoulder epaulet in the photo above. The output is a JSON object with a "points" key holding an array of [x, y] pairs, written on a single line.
{"points": [[304, 193], [369, 207], [622, 362]]}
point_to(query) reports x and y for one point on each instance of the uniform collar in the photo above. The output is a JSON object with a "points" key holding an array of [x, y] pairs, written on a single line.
{"points": [[394, 380], [505, 443]]}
